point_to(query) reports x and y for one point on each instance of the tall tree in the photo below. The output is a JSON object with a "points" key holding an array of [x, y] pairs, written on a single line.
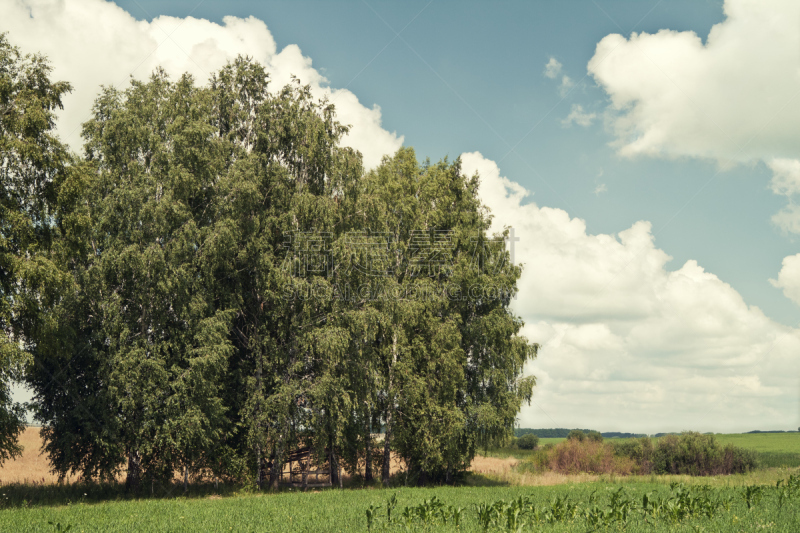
{"points": [[279, 205], [32, 165], [154, 349], [447, 346]]}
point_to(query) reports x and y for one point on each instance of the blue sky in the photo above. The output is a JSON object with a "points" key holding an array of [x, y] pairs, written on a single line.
{"points": [[631, 340], [466, 76]]}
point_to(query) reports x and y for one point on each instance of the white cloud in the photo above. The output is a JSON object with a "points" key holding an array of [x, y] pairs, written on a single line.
{"points": [[732, 98], [788, 219], [629, 344], [624, 339], [579, 117], [785, 176], [94, 42], [552, 69], [789, 278], [786, 181], [600, 189], [566, 85]]}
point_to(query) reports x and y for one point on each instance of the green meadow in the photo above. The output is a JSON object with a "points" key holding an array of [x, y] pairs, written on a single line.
{"points": [[766, 499], [601, 505]]}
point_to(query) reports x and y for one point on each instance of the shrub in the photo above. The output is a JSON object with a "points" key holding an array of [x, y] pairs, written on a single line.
{"points": [[576, 434], [639, 450], [594, 436], [573, 456], [699, 455], [528, 441]]}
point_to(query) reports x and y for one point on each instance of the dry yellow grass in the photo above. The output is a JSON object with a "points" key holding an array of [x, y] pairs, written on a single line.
{"points": [[32, 467], [503, 470]]}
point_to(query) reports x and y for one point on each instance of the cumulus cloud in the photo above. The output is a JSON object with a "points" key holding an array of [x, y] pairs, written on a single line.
{"points": [[566, 85], [626, 339], [578, 116], [732, 98], [94, 42], [789, 278], [786, 181], [785, 176], [553, 68]]}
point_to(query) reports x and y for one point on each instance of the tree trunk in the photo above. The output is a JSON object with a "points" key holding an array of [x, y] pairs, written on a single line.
{"points": [[336, 478], [277, 468], [387, 453], [368, 452], [387, 450], [134, 475], [259, 475], [185, 479]]}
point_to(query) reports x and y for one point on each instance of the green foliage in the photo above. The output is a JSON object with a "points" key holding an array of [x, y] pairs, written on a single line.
{"points": [[594, 436], [554, 433], [528, 442], [640, 450], [33, 166], [689, 453], [223, 283], [696, 454], [576, 434]]}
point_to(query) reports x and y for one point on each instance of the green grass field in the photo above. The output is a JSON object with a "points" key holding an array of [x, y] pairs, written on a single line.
{"points": [[577, 507], [610, 503]]}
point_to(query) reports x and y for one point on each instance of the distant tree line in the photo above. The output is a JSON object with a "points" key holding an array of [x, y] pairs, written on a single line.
{"points": [[774, 431], [217, 281], [563, 433]]}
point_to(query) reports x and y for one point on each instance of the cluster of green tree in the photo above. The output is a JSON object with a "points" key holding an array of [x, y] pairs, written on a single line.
{"points": [[580, 436], [775, 431], [555, 433], [562, 433], [198, 290], [621, 435]]}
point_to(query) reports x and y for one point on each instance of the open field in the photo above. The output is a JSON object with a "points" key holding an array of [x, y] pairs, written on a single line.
{"points": [[335, 510], [764, 442], [774, 449], [30, 500]]}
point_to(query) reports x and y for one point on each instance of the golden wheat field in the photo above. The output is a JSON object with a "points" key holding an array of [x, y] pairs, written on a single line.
{"points": [[32, 467]]}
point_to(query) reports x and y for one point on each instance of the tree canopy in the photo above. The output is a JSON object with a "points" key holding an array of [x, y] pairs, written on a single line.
{"points": [[217, 281]]}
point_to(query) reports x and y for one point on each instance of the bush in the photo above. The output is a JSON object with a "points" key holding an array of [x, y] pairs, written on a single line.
{"points": [[528, 441], [699, 455], [573, 456], [638, 450], [689, 453], [576, 434], [594, 436]]}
